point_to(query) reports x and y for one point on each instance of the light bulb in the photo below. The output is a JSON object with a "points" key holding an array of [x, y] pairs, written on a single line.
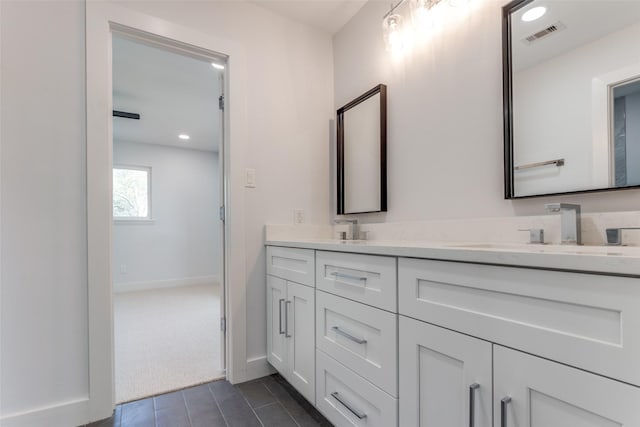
{"points": [[392, 29], [420, 13]]}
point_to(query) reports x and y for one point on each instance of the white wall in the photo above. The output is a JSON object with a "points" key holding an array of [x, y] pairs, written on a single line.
{"points": [[43, 235], [445, 143], [553, 113], [183, 240], [43, 326]]}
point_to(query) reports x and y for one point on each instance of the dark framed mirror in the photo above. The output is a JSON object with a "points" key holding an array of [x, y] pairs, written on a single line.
{"points": [[571, 87], [362, 153]]}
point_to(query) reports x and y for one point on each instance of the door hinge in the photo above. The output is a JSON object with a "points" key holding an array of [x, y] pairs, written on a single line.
{"points": [[222, 213], [221, 102], [223, 325]]}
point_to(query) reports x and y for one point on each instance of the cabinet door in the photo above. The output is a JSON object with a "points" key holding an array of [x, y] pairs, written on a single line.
{"points": [[276, 341], [438, 373], [548, 394], [300, 332]]}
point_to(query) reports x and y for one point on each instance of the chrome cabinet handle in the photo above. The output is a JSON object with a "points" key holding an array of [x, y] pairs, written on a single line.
{"points": [[337, 274], [503, 411], [348, 335], [280, 314], [472, 403], [286, 319], [361, 415]]}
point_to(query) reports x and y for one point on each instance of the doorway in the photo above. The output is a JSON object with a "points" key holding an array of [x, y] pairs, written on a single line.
{"points": [[167, 238]]}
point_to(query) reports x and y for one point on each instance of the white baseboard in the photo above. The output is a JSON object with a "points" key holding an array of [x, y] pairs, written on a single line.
{"points": [[66, 414], [258, 367], [161, 284]]}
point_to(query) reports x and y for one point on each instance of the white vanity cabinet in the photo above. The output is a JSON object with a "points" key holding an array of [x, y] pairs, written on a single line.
{"points": [[386, 340], [572, 318], [291, 322]]}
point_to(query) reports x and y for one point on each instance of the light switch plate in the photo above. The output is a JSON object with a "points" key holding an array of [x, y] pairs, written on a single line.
{"points": [[250, 178]]}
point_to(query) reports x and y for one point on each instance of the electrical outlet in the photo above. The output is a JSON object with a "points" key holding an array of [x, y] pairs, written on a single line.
{"points": [[298, 216], [123, 268]]}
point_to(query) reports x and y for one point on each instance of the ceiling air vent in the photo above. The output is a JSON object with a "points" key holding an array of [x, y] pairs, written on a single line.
{"points": [[551, 29]]}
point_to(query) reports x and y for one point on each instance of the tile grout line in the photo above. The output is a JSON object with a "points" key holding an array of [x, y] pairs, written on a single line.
{"points": [[155, 416], [283, 407], [186, 407], [218, 405], [265, 405], [252, 410]]}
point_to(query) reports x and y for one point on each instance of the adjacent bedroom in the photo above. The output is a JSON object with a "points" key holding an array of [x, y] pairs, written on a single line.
{"points": [[167, 245]]}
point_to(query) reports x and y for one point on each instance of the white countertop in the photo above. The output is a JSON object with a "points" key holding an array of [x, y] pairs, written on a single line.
{"points": [[618, 260]]}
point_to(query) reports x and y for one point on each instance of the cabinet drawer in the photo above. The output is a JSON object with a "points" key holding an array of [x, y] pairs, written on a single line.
{"points": [[347, 399], [291, 263], [368, 279], [573, 318], [362, 338]]}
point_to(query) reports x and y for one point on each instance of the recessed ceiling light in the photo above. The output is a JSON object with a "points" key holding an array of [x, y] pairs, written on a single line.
{"points": [[534, 13], [217, 66], [184, 136]]}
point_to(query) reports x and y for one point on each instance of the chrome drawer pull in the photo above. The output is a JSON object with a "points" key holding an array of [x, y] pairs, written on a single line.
{"points": [[472, 403], [286, 319], [336, 274], [348, 335], [355, 412], [280, 314], [503, 411]]}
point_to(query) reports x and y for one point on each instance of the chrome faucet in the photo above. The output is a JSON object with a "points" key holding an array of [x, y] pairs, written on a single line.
{"points": [[353, 227], [570, 227]]}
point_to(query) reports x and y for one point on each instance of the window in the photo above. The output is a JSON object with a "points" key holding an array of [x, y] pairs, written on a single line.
{"points": [[131, 192]]}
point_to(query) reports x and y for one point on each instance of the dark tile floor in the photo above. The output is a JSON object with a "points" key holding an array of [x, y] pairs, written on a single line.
{"points": [[268, 402]]}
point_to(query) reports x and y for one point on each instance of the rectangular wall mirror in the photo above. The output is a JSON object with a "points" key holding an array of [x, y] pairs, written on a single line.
{"points": [[362, 153], [571, 96]]}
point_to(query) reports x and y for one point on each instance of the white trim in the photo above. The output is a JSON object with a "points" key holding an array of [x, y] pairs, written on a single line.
{"points": [[258, 367], [602, 122], [102, 18], [133, 221], [163, 284], [65, 414], [1, 352]]}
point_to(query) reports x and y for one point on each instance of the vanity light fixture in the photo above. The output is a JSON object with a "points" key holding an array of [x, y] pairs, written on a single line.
{"points": [[421, 12], [534, 13], [392, 29], [184, 136], [422, 15], [217, 66]]}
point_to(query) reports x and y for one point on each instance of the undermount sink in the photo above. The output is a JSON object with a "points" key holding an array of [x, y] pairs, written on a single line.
{"points": [[559, 249]]}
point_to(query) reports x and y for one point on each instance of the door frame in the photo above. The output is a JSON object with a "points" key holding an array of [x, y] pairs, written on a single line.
{"points": [[102, 20]]}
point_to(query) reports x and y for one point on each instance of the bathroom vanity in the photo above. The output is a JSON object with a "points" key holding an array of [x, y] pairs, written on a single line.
{"points": [[426, 334]]}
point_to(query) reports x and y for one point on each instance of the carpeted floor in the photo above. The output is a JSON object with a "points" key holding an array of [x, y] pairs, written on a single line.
{"points": [[166, 339]]}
